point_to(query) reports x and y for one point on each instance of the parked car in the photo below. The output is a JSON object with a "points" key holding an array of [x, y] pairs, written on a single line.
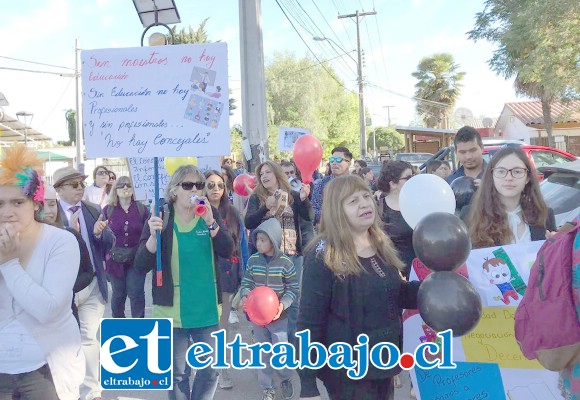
{"points": [[416, 159], [561, 190], [540, 156]]}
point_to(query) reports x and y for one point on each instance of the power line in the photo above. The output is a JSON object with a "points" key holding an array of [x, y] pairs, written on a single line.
{"points": [[309, 49], [34, 62], [63, 74], [430, 102]]}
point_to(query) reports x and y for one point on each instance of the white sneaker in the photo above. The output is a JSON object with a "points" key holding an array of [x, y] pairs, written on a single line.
{"points": [[233, 318]]}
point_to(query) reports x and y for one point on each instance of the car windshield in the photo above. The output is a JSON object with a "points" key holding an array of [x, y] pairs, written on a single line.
{"points": [[561, 191]]}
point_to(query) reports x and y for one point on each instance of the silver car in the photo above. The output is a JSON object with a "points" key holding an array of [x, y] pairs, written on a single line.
{"points": [[561, 190]]}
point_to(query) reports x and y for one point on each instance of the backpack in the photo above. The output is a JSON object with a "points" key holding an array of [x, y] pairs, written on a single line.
{"points": [[546, 323]]}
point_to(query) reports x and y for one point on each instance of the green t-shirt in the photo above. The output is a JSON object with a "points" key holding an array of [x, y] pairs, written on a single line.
{"points": [[194, 280]]}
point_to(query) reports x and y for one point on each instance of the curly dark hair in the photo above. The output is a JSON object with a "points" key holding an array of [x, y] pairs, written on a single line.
{"points": [[391, 172]]}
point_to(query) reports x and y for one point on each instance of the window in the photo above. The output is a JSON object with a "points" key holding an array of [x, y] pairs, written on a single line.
{"points": [[543, 158]]}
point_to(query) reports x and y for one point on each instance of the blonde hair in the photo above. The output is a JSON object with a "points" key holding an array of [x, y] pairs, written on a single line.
{"points": [[114, 197], [281, 179], [340, 255]]}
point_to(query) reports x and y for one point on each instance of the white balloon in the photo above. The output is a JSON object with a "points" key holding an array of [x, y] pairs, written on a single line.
{"points": [[425, 194]]}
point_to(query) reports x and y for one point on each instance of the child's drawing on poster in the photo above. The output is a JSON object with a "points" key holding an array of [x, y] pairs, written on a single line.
{"points": [[204, 111]]}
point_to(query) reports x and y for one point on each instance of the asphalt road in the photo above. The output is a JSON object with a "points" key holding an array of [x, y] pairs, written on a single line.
{"points": [[246, 385]]}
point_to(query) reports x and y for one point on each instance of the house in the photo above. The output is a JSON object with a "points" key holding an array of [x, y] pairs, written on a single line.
{"points": [[525, 121]]}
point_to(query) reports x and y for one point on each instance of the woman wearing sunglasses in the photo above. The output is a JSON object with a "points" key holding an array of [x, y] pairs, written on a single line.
{"points": [[189, 292], [273, 198], [230, 269], [508, 206], [97, 193], [127, 218]]}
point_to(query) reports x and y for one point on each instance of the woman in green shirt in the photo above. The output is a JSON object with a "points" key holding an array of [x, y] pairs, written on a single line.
{"points": [[189, 293]]}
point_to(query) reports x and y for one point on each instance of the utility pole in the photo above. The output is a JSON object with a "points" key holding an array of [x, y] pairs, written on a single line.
{"points": [[361, 101], [388, 113], [79, 135], [254, 126]]}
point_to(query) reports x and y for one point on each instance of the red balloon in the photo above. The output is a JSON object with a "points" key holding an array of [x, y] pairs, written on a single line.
{"points": [[307, 154], [240, 184], [262, 305]]}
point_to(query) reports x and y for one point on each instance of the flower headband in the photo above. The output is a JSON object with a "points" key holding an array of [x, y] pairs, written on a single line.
{"points": [[21, 167]]}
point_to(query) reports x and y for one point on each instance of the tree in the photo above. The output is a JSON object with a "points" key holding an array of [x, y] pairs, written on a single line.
{"points": [[537, 43], [71, 125], [387, 136], [302, 93], [190, 36], [438, 82]]}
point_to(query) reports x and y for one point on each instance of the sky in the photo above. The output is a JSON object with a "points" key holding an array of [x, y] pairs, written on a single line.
{"points": [[394, 41]]}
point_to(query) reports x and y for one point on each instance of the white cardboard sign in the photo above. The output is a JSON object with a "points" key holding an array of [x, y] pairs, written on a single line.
{"points": [[156, 101]]}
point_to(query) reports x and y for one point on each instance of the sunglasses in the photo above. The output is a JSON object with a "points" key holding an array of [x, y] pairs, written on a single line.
{"points": [[75, 185], [102, 172], [404, 178], [337, 159], [189, 185], [123, 185], [212, 185]]}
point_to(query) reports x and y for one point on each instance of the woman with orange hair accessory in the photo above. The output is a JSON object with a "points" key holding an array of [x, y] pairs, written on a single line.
{"points": [[40, 352]]}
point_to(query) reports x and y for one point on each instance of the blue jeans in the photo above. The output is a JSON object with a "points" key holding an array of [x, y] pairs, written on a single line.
{"points": [[132, 285], [206, 380], [293, 310], [33, 385], [274, 332]]}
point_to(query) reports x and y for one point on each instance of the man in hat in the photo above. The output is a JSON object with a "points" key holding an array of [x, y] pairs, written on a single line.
{"points": [[86, 217]]}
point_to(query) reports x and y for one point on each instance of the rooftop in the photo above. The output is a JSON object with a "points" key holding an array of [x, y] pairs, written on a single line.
{"points": [[530, 112]]}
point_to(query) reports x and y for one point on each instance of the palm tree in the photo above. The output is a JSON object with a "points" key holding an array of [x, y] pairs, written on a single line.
{"points": [[191, 36], [439, 87]]}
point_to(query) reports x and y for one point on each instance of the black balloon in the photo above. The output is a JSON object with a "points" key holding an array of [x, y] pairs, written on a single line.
{"points": [[441, 241], [463, 188], [447, 300]]}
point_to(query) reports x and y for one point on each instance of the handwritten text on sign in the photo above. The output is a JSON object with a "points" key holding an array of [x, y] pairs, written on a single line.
{"points": [[161, 101]]}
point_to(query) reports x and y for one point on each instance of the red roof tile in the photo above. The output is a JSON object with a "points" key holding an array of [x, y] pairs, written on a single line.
{"points": [[530, 112]]}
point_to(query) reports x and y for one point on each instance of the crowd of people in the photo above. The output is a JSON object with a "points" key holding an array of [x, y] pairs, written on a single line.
{"points": [[337, 252]]}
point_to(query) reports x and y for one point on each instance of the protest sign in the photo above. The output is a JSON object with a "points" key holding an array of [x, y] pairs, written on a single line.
{"points": [[492, 342], [141, 170], [288, 136], [156, 101]]}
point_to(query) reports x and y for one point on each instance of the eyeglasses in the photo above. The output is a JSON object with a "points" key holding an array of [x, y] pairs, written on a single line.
{"points": [[290, 173], [102, 172], [405, 178], [189, 185], [212, 185], [123, 185], [75, 185], [517, 173], [337, 160]]}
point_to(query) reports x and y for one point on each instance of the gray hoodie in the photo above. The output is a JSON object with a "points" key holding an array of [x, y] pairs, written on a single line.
{"points": [[279, 274]]}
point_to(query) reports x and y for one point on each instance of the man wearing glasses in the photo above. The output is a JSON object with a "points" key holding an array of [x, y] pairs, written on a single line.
{"points": [[339, 165], [87, 219]]}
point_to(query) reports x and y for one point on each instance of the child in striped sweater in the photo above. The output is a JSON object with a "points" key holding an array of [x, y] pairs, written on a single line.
{"points": [[270, 267]]}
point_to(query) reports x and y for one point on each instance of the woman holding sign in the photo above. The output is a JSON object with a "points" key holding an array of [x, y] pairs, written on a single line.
{"points": [[508, 206], [352, 285], [191, 239], [273, 197]]}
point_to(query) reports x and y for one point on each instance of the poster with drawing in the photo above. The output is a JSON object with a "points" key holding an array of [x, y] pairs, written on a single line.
{"points": [[156, 101], [141, 171], [500, 275], [288, 136]]}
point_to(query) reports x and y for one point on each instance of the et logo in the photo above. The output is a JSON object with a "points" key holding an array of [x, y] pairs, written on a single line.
{"points": [[136, 353]]}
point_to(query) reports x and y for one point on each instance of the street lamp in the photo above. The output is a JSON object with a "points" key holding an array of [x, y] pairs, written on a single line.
{"points": [[361, 102], [154, 13], [23, 117]]}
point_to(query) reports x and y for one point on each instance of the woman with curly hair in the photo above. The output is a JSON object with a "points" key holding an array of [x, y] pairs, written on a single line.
{"points": [[41, 356], [508, 206]]}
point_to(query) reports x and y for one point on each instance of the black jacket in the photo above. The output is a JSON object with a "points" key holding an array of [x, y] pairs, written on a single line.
{"points": [[339, 309], [145, 261]]}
